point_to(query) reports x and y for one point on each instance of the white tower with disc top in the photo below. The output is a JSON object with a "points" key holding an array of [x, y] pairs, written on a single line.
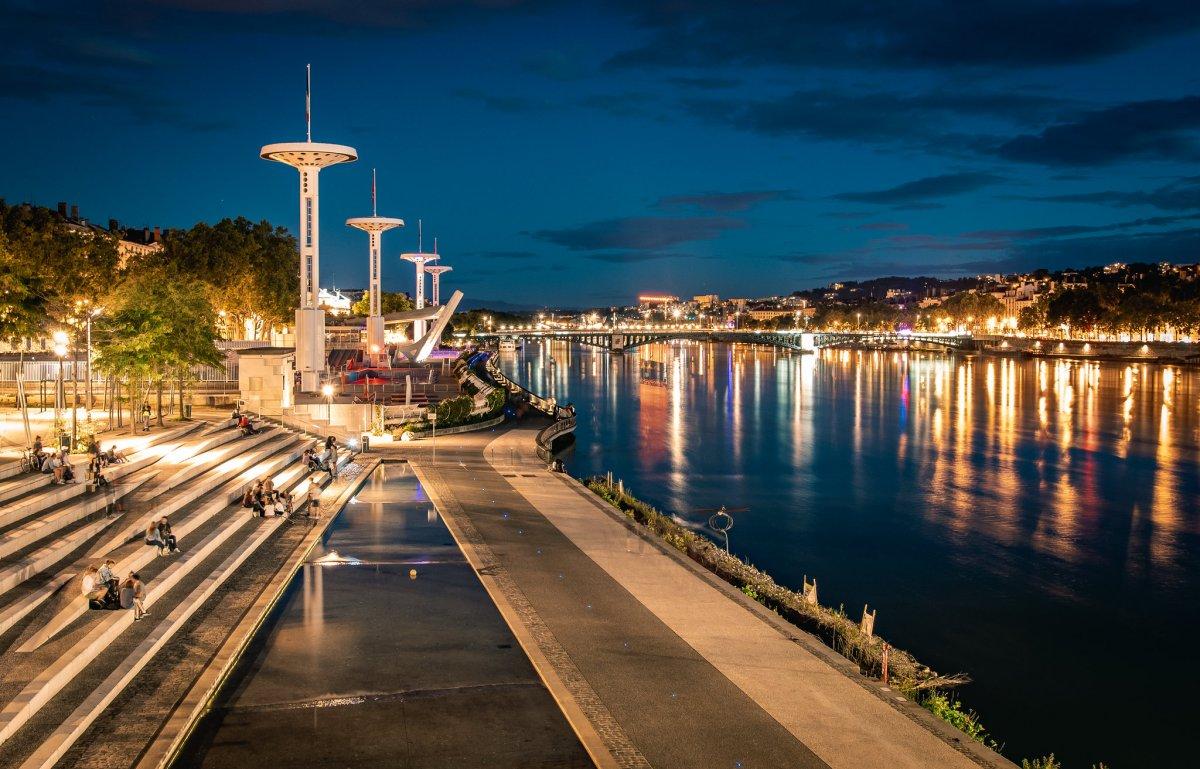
{"points": [[309, 157], [374, 225]]}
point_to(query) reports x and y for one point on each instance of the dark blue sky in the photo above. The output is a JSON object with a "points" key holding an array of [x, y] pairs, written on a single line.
{"points": [[578, 153]]}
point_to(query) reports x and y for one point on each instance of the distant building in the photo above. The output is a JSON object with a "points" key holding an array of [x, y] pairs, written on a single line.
{"points": [[334, 302], [706, 300], [656, 300], [770, 314]]}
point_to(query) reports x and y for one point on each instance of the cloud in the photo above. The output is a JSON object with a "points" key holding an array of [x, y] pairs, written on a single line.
{"points": [[935, 34], [513, 105], [638, 233], [633, 257], [1180, 195], [557, 65], [923, 189], [726, 202], [1159, 129], [918, 119], [507, 255], [704, 83], [883, 226]]}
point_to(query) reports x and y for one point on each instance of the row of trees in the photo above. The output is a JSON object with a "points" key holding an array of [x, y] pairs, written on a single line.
{"points": [[966, 308], [154, 317], [1107, 309]]}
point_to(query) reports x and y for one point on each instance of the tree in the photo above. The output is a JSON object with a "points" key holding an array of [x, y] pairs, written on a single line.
{"points": [[970, 307], [249, 271], [1078, 308], [389, 301], [157, 326], [1033, 317], [50, 266]]}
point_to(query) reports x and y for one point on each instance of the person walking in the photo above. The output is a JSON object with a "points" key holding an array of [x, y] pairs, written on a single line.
{"points": [[314, 501], [146, 417], [139, 597]]}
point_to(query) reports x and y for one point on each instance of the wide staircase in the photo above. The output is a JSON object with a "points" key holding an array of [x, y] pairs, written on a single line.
{"points": [[62, 663]]}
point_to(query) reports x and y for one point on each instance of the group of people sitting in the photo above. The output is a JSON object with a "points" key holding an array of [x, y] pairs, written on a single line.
{"points": [[265, 500], [56, 463], [104, 591], [325, 461], [246, 425], [158, 534], [99, 461]]}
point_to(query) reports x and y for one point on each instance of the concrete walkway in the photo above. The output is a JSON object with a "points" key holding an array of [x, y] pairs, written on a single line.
{"points": [[655, 661]]}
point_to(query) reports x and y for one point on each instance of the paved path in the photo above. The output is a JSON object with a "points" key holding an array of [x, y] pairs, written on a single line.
{"points": [[655, 662]]}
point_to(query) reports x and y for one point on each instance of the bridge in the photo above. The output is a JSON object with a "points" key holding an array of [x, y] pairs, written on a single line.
{"points": [[621, 339]]}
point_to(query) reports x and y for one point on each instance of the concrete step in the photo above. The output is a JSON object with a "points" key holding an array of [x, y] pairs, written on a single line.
{"points": [[58, 518], [207, 452], [212, 472], [52, 749], [276, 459], [53, 678], [48, 496], [21, 569]]}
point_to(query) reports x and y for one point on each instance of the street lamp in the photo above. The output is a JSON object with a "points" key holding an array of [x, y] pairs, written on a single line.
{"points": [[327, 391], [91, 314], [433, 421], [60, 397]]}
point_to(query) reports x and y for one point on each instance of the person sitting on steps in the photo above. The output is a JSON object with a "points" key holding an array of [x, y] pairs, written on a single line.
{"points": [[247, 426], [165, 536], [92, 589], [153, 539]]}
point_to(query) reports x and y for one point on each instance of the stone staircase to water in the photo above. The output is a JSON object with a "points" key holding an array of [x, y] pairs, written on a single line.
{"points": [[61, 663]]}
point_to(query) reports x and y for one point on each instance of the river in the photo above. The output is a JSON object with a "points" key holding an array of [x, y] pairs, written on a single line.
{"points": [[1033, 523]]}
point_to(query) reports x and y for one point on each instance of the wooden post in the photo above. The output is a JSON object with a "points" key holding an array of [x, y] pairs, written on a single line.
{"points": [[810, 590], [886, 654], [868, 622]]}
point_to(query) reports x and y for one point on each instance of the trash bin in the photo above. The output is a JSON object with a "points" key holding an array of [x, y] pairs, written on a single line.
{"points": [[366, 442]]}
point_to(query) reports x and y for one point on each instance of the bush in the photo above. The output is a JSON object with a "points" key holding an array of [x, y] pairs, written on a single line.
{"points": [[952, 712]]}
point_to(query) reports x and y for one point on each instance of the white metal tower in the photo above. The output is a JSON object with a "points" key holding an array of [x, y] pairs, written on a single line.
{"points": [[374, 225], [436, 271], [309, 157], [420, 259]]}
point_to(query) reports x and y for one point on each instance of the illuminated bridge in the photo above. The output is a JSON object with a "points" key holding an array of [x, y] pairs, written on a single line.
{"points": [[804, 341]]}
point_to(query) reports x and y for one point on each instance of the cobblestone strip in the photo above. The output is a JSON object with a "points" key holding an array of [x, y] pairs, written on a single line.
{"points": [[568, 686]]}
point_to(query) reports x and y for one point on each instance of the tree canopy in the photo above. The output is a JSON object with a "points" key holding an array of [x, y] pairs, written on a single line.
{"points": [[248, 270], [389, 301], [48, 268]]}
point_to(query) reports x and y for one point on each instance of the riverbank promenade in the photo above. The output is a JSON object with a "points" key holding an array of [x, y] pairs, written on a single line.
{"points": [[654, 661]]}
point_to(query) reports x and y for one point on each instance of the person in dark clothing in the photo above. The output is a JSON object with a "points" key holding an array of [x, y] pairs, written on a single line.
{"points": [[165, 536]]}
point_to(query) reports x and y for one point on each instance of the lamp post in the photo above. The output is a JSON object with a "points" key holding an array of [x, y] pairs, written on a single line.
{"points": [[433, 419], [60, 350], [90, 402], [327, 391]]}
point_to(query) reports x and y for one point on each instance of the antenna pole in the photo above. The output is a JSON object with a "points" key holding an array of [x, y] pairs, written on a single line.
{"points": [[420, 237], [374, 204], [308, 99], [435, 245]]}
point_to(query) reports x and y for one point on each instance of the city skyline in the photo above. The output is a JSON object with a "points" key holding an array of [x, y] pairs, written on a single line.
{"points": [[591, 151]]}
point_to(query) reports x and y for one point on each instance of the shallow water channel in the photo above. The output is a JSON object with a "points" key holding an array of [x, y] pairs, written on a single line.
{"points": [[363, 665]]}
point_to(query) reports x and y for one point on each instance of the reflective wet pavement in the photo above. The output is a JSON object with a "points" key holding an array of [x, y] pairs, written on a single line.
{"points": [[364, 664]]}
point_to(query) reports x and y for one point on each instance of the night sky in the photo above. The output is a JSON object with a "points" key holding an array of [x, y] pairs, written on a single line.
{"points": [[575, 154]]}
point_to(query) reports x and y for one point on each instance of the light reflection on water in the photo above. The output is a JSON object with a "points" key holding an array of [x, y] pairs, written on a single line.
{"points": [[1032, 522]]}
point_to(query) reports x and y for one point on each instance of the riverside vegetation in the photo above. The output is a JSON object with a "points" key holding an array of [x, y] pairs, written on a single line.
{"points": [[905, 674]]}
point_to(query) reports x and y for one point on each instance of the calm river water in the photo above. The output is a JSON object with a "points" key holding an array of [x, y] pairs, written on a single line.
{"points": [[1031, 523]]}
